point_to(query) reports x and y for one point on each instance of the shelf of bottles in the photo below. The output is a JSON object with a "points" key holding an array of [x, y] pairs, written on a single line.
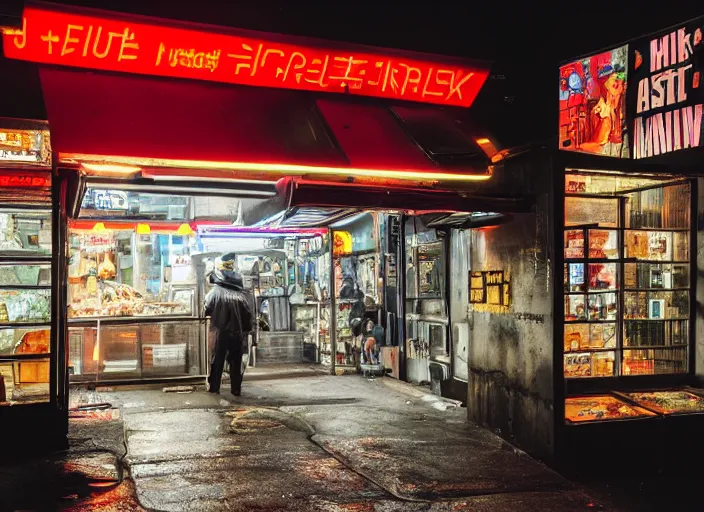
{"points": [[626, 282]]}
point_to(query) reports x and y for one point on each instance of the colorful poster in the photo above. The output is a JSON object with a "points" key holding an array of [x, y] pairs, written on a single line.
{"points": [[665, 98], [592, 104]]}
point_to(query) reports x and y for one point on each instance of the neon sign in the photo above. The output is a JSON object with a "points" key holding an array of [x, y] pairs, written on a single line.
{"points": [[667, 94], [9, 180], [61, 38]]}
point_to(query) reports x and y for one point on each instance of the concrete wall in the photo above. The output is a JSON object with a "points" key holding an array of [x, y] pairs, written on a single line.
{"points": [[510, 355], [459, 298]]}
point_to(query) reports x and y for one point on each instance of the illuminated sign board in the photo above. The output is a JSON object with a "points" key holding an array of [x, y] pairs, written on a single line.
{"points": [[16, 180], [593, 104], [25, 147], [640, 100], [665, 95], [110, 44]]}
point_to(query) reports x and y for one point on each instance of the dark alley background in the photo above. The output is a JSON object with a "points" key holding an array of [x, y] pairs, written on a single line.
{"points": [[525, 41]]}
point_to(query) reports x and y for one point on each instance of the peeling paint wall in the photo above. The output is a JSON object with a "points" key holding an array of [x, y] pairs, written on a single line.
{"points": [[510, 386], [459, 298]]}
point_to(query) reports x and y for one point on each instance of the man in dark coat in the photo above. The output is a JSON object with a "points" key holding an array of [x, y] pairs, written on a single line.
{"points": [[230, 308]]}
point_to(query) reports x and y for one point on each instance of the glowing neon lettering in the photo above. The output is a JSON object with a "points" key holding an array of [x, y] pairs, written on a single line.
{"points": [[146, 48]]}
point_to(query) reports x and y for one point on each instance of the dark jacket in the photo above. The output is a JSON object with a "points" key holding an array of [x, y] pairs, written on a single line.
{"points": [[230, 308]]}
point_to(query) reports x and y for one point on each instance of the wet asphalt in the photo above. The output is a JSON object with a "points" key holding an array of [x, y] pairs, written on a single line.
{"points": [[316, 443]]}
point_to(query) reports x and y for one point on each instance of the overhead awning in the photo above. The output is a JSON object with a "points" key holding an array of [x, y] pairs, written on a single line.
{"points": [[304, 197], [256, 133]]}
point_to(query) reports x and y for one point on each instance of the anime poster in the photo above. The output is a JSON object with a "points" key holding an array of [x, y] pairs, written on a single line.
{"points": [[592, 104]]}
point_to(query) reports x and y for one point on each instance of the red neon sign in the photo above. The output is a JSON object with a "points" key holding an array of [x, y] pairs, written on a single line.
{"points": [[24, 180], [60, 38]]}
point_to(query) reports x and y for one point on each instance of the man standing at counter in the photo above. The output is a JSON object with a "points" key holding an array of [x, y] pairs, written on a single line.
{"points": [[229, 307]]}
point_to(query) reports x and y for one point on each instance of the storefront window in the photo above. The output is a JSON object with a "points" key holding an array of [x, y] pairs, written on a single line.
{"points": [[626, 277], [111, 203], [25, 233], [125, 273], [162, 349], [25, 305]]}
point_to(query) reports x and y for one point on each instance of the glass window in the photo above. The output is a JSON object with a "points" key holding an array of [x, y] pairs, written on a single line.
{"points": [[18, 306], [574, 243], [25, 275], [24, 341], [24, 381], [663, 207], [112, 203], [644, 264], [123, 273], [25, 233], [574, 277], [582, 211], [430, 273], [603, 244], [656, 276]]}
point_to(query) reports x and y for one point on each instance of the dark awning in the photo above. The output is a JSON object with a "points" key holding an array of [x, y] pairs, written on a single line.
{"points": [[296, 196], [259, 132]]}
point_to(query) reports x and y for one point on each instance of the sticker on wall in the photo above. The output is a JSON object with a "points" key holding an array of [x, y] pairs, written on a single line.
{"points": [[490, 288], [342, 243]]}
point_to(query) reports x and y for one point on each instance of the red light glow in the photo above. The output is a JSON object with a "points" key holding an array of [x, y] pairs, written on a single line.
{"points": [[11, 180], [264, 60]]}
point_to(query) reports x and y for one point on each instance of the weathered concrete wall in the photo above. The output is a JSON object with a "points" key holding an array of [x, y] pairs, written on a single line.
{"points": [[510, 356], [459, 298], [699, 254]]}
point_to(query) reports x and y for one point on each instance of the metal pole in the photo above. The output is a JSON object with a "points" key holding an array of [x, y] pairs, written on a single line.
{"points": [[401, 304], [333, 304]]}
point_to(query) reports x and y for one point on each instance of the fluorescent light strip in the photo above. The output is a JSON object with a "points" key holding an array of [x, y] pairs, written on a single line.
{"points": [[124, 165]]}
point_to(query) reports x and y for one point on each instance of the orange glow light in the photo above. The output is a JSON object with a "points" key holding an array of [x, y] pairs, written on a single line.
{"points": [[144, 47], [136, 163], [143, 229], [109, 168], [99, 227], [488, 147], [184, 230]]}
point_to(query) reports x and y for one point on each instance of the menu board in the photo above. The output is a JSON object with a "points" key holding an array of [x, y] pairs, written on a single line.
{"points": [[669, 402], [601, 408]]}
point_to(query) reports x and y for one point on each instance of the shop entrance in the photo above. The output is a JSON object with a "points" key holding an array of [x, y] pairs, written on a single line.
{"points": [[326, 289], [139, 260]]}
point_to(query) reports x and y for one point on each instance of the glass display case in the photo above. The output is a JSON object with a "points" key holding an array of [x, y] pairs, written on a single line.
{"points": [[25, 304], [626, 276], [668, 402], [602, 408]]}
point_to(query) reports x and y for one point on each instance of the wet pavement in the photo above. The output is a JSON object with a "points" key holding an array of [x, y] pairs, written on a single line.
{"points": [[318, 443]]}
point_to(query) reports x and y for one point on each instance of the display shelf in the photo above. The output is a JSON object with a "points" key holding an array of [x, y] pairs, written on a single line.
{"points": [[589, 350], [587, 321], [623, 233], [668, 402], [656, 289], [595, 408], [593, 292], [680, 230]]}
